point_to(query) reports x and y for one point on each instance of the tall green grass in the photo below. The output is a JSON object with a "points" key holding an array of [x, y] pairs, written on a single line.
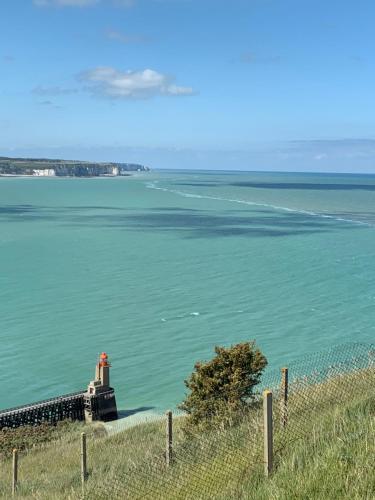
{"points": [[327, 451]]}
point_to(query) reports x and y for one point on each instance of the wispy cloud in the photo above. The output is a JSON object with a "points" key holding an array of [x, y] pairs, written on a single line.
{"points": [[48, 104], [65, 3], [357, 60], [253, 58], [124, 37], [336, 143], [326, 149], [40, 90], [109, 82], [124, 3], [82, 3], [45, 103], [346, 155], [7, 59], [91, 3], [320, 156]]}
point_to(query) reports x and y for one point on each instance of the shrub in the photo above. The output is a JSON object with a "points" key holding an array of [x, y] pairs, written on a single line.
{"points": [[221, 387], [27, 437]]}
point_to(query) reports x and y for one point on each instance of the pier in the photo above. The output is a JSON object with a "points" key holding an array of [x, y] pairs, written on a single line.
{"points": [[98, 402], [68, 406]]}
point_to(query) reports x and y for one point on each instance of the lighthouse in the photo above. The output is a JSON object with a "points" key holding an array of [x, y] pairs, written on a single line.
{"points": [[100, 400]]}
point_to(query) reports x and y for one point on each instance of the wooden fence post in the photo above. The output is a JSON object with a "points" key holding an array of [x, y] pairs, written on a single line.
{"points": [[83, 460], [371, 357], [169, 438], [284, 397], [14, 472], [268, 432]]}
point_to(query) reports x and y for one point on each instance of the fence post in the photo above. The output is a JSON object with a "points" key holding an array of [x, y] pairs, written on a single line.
{"points": [[169, 438], [268, 432], [284, 397], [83, 460], [14, 472], [371, 357]]}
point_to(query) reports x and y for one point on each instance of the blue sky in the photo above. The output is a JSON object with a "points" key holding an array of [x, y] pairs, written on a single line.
{"points": [[241, 84]]}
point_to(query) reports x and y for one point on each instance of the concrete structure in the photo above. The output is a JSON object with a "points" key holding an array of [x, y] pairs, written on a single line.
{"points": [[97, 403], [100, 400], [68, 406]]}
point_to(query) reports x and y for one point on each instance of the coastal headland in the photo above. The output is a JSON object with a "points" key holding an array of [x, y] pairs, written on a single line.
{"points": [[44, 167]]}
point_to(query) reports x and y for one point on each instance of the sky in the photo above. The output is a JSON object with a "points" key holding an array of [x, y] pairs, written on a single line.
{"points": [[214, 84]]}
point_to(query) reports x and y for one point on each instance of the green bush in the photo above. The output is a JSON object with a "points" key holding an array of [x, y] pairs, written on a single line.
{"points": [[222, 387], [27, 437]]}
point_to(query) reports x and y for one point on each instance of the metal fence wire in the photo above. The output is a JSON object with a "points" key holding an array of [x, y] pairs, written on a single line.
{"points": [[212, 462]]}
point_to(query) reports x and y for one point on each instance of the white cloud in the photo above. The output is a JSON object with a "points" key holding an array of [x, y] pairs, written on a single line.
{"points": [[109, 82]]}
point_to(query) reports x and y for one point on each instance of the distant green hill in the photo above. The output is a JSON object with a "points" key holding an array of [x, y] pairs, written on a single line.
{"points": [[65, 168]]}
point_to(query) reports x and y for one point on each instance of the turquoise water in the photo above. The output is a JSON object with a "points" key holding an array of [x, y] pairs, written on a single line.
{"points": [[159, 268]]}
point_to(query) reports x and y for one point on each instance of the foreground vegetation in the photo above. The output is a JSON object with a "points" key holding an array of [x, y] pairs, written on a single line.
{"points": [[327, 451]]}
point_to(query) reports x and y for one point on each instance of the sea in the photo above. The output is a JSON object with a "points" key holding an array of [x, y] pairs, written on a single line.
{"points": [[158, 268]]}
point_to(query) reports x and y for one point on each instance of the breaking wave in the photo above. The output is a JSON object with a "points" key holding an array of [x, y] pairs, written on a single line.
{"points": [[154, 185]]}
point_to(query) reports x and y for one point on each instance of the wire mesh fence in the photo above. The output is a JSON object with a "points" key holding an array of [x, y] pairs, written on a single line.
{"points": [[148, 461], [214, 462]]}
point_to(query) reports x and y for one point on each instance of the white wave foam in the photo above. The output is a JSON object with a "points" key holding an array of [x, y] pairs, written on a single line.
{"points": [[151, 185]]}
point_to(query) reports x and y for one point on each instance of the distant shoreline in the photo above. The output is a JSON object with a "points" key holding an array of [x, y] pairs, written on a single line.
{"points": [[45, 167], [26, 176]]}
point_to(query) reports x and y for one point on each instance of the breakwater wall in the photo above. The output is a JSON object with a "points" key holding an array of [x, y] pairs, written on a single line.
{"points": [[97, 402], [69, 406]]}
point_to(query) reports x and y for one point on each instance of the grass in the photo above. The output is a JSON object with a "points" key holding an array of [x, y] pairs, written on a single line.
{"points": [[327, 451], [335, 460]]}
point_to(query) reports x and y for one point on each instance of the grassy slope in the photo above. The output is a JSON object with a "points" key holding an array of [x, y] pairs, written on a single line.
{"points": [[335, 460], [327, 452]]}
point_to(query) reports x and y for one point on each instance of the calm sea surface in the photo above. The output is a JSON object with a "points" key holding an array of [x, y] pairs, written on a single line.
{"points": [[159, 268]]}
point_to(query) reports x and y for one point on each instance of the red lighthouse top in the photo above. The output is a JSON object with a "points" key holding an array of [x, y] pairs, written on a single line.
{"points": [[103, 359]]}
